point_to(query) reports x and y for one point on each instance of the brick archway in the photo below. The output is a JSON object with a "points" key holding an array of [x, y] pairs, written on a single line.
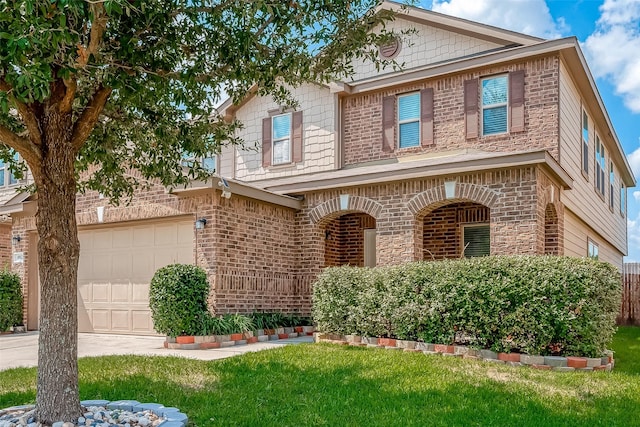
{"points": [[436, 197], [332, 208]]}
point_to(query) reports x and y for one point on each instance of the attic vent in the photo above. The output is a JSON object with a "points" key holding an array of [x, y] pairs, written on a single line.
{"points": [[391, 49]]}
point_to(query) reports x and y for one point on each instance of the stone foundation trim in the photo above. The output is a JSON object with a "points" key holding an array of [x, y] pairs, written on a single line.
{"points": [[207, 342], [556, 363]]}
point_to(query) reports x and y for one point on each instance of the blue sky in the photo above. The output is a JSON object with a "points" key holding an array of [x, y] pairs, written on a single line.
{"points": [[609, 33]]}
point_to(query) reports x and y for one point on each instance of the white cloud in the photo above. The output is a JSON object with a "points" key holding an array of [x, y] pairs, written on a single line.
{"points": [[612, 50], [633, 231], [524, 16], [634, 162]]}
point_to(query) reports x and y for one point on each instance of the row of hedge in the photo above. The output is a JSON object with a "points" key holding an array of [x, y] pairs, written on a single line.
{"points": [[526, 304], [178, 301], [10, 300]]}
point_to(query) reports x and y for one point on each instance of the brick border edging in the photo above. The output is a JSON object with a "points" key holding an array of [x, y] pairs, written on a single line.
{"points": [[172, 416], [207, 342], [556, 363]]}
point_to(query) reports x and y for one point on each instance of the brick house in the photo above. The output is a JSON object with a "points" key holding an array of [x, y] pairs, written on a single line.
{"points": [[487, 142]]}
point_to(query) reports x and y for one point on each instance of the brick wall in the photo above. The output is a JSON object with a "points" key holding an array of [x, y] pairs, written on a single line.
{"points": [[5, 245], [363, 115], [344, 239], [511, 196], [442, 229]]}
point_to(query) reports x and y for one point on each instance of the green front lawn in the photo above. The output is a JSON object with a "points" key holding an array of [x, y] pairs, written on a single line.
{"points": [[336, 385]]}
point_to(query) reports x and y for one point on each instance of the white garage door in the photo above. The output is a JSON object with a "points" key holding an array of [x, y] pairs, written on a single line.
{"points": [[116, 267]]}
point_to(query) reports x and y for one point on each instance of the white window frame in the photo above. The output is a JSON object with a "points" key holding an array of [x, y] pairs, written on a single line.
{"points": [[593, 249], [491, 106], [612, 179], [584, 132], [9, 179], [412, 120], [288, 138], [600, 166], [623, 200], [189, 159]]}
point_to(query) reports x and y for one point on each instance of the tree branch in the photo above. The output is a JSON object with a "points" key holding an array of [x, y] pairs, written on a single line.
{"points": [[69, 95], [28, 118], [29, 152], [98, 27], [89, 117]]}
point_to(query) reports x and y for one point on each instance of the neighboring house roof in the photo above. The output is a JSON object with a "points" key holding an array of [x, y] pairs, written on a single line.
{"points": [[420, 166], [11, 201], [240, 188]]}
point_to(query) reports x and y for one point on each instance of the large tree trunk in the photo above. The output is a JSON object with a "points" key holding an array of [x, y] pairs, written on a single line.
{"points": [[58, 252]]}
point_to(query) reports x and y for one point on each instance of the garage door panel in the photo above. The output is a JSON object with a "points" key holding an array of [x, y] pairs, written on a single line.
{"points": [[100, 292], [116, 267], [120, 321], [120, 292], [166, 235], [102, 239], [100, 267], [122, 238], [100, 319], [143, 237], [185, 234], [121, 265], [141, 320], [164, 257], [140, 293]]}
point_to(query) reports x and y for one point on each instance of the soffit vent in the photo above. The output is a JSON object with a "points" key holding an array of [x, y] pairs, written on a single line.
{"points": [[390, 50]]}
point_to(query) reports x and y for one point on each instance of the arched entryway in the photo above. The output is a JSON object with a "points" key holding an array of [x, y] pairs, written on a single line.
{"points": [[455, 230], [551, 231], [350, 240]]}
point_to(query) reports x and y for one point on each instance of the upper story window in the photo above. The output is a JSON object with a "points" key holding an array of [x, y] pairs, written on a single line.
{"points": [[600, 166], [208, 163], [611, 182], [592, 249], [281, 126], [585, 143], [409, 120], [623, 199], [6, 176], [494, 105], [282, 138]]}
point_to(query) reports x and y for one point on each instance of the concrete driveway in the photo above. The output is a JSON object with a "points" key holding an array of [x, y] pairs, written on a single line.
{"points": [[18, 350]]}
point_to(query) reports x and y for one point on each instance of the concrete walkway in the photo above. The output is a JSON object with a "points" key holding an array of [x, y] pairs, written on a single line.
{"points": [[18, 350]]}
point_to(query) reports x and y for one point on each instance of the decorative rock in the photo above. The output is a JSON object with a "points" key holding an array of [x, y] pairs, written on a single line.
{"points": [[488, 354], [459, 349], [593, 361], [406, 344], [369, 340], [576, 362], [241, 342], [531, 360], [263, 338], [509, 357], [555, 361], [563, 368], [424, 346]]}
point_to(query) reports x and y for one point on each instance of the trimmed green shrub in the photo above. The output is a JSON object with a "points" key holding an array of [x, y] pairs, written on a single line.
{"points": [[528, 304], [178, 299], [10, 300]]}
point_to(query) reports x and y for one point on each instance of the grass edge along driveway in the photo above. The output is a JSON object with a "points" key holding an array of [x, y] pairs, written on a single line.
{"points": [[322, 384]]}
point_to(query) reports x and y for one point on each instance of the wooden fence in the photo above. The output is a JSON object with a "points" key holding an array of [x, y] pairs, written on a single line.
{"points": [[630, 308]]}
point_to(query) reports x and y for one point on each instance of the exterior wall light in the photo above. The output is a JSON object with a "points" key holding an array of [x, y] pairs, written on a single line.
{"points": [[16, 239], [200, 223]]}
